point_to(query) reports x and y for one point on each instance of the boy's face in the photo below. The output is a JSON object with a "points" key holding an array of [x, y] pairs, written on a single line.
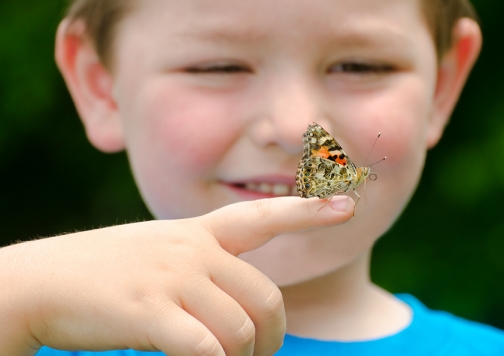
{"points": [[215, 95]]}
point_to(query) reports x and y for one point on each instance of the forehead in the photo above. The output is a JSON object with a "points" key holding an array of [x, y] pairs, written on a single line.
{"points": [[257, 20]]}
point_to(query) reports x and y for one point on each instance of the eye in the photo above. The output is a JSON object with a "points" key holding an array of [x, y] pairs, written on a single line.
{"points": [[361, 68], [218, 68]]}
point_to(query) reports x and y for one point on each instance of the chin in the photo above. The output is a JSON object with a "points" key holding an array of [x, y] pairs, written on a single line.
{"points": [[296, 258]]}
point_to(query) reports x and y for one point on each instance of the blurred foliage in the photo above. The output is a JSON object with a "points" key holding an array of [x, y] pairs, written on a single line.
{"points": [[54, 180], [447, 248]]}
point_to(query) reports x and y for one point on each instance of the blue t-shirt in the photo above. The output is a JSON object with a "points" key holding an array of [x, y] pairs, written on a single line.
{"points": [[430, 333]]}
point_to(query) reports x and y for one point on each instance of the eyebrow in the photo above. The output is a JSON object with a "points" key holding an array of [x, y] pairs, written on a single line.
{"points": [[225, 35], [355, 37], [350, 37]]}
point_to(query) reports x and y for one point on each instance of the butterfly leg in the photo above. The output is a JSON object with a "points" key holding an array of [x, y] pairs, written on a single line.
{"points": [[327, 202], [357, 202]]}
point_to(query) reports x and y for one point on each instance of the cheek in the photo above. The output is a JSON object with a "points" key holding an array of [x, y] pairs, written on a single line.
{"points": [[408, 131], [174, 142], [192, 145], [188, 131], [402, 118], [405, 120], [401, 114]]}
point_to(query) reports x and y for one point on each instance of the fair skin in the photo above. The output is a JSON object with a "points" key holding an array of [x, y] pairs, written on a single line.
{"points": [[209, 105], [174, 286]]}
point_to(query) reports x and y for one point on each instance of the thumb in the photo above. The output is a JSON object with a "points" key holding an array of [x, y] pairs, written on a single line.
{"points": [[245, 226]]}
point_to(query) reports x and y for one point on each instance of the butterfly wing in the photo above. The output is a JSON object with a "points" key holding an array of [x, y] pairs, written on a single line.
{"points": [[325, 169], [320, 177]]}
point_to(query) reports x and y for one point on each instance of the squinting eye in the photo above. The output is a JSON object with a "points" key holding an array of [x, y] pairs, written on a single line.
{"points": [[225, 69], [361, 68]]}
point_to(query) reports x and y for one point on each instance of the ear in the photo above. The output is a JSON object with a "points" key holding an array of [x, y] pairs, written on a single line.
{"points": [[453, 71], [90, 85]]}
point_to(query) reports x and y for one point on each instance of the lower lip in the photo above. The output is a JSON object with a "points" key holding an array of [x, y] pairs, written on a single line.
{"points": [[249, 194]]}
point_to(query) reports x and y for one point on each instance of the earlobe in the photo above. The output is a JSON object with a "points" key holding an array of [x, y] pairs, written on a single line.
{"points": [[90, 85], [453, 71]]}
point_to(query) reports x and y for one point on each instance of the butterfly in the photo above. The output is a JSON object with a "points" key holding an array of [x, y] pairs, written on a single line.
{"points": [[325, 169]]}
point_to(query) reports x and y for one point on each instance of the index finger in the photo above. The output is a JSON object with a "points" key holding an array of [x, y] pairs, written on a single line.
{"points": [[245, 226]]}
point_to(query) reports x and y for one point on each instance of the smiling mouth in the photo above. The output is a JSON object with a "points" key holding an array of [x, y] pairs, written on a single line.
{"points": [[272, 189]]}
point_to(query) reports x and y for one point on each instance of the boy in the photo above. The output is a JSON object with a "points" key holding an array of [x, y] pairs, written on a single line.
{"points": [[210, 99]]}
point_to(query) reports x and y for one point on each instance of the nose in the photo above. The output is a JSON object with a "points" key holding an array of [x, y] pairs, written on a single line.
{"points": [[288, 106]]}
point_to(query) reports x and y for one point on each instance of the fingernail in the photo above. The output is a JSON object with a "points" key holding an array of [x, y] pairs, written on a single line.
{"points": [[340, 203]]}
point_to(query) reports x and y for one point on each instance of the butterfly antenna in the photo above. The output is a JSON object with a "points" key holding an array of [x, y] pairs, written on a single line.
{"points": [[372, 148], [383, 159]]}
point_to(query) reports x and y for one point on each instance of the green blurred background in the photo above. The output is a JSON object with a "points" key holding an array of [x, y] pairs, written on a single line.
{"points": [[447, 248]]}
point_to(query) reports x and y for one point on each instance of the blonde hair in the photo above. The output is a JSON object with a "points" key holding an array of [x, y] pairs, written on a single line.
{"points": [[102, 17], [441, 16]]}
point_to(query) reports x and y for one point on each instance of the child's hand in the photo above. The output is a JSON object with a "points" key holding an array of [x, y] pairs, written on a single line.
{"points": [[174, 286]]}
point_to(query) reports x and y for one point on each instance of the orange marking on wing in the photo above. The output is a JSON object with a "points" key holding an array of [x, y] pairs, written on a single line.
{"points": [[323, 152], [341, 161]]}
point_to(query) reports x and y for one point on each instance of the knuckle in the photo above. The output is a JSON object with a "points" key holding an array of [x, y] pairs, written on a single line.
{"points": [[263, 208], [273, 306], [263, 213], [209, 346], [245, 336], [207, 223]]}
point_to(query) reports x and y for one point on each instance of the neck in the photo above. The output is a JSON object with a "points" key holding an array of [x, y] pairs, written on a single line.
{"points": [[344, 305]]}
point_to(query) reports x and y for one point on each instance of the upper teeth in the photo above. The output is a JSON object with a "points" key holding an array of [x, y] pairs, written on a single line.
{"points": [[272, 188]]}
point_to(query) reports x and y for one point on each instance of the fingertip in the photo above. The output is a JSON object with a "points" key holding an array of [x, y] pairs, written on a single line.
{"points": [[338, 210], [341, 203]]}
